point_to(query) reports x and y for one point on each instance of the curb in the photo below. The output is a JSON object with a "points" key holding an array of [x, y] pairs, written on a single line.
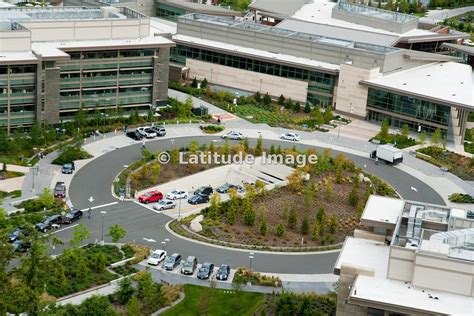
{"points": [[283, 253], [164, 309]]}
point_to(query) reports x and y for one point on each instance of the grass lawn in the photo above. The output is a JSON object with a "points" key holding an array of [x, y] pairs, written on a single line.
{"points": [[205, 301], [255, 114], [461, 166]]}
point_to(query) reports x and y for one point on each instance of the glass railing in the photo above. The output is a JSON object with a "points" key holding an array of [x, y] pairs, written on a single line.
{"points": [[99, 102], [69, 105], [97, 78], [69, 85], [99, 84], [135, 81], [69, 66], [99, 96], [136, 63], [14, 82], [99, 66]]}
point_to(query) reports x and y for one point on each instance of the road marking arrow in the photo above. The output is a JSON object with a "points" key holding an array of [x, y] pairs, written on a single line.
{"points": [[414, 189], [149, 239]]}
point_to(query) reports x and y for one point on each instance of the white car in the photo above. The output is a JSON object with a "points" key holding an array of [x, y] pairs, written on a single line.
{"points": [[156, 257], [147, 132], [177, 194], [291, 136], [164, 205], [233, 135]]}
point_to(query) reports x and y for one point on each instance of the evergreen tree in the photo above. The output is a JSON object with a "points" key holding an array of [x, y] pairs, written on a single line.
{"points": [[259, 146], [249, 217], [307, 108], [280, 230], [315, 233], [257, 97], [133, 307], [281, 100], [305, 225], [267, 100], [194, 83], [289, 104], [293, 218], [204, 83], [296, 107], [321, 215], [333, 225]]}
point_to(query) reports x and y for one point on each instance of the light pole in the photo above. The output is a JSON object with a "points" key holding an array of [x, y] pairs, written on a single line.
{"points": [[251, 256], [34, 169], [103, 215], [179, 210]]}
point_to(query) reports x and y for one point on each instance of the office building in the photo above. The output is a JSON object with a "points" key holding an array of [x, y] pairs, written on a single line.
{"points": [[56, 60], [413, 259]]}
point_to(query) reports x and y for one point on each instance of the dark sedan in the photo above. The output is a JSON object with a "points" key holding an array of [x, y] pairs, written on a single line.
{"points": [[49, 223], [223, 272], [134, 135], [72, 216], [226, 187], [16, 234], [60, 190], [205, 271], [198, 199]]}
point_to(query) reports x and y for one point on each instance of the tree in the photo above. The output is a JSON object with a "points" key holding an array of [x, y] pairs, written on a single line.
{"points": [[36, 134], [339, 171], [315, 233], [116, 232], [125, 290], [308, 198], [444, 143], [79, 235], [96, 305], [149, 115], [80, 118], [204, 83], [245, 142], [214, 206], [307, 108], [289, 104], [295, 181], [267, 100], [305, 225], [257, 97], [403, 6], [423, 137], [185, 109], [263, 226], [193, 147], [317, 116], [100, 263], [249, 217], [328, 192], [133, 307], [280, 230], [194, 83], [60, 280], [293, 218], [46, 199], [328, 116], [405, 130], [296, 107], [281, 100], [436, 136], [259, 146], [384, 129], [232, 210], [321, 215], [333, 225], [272, 150]]}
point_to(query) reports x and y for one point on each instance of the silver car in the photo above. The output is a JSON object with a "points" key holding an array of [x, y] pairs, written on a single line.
{"points": [[234, 135], [164, 205]]}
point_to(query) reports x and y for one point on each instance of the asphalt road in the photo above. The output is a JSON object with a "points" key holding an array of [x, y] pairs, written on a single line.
{"points": [[95, 179]]}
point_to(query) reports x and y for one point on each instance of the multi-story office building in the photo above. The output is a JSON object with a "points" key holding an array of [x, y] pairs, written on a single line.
{"points": [[414, 259], [54, 61], [424, 90]]}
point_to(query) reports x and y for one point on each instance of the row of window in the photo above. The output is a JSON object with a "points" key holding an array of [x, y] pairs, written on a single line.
{"points": [[399, 122], [105, 92], [113, 54], [168, 12], [17, 69], [99, 75], [409, 106], [324, 82]]}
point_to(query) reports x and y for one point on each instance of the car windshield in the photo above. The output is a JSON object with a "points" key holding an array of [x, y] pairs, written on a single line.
{"points": [[148, 194], [223, 269], [187, 264], [67, 166], [204, 269], [169, 260], [175, 192], [155, 255]]}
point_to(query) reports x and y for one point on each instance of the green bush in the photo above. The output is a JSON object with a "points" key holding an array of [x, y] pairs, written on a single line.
{"points": [[461, 198], [70, 154]]}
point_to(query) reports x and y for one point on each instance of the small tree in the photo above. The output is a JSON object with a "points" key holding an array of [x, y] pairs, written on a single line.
{"points": [[321, 215], [125, 290], [117, 232], [318, 116], [328, 116], [194, 83], [280, 230], [333, 225], [263, 227], [443, 141], [384, 129], [436, 136], [267, 100], [133, 307], [339, 170], [293, 218], [328, 191], [79, 235], [100, 262], [289, 104], [295, 181], [46, 199], [193, 147], [281, 100], [405, 130], [307, 108], [305, 225], [214, 205], [423, 137], [308, 198], [259, 146], [296, 107], [315, 233], [272, 150], [204, 83], [249, 217], [257, 97]]}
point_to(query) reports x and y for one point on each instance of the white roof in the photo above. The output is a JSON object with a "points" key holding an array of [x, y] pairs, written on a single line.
{"points": [[256, 52], [151, 40], [48, 50], [161, 26], [364, 253], [17, 56], [444, 82], [382, 209], [319, 12], [397, 293]]}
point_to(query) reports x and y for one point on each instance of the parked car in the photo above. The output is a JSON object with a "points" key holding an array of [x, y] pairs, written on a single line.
{"points": [[60, 190], [198, 199], [21, 246], [291, 136], [159, 130], [164, 205], [189, 265], [134, 135], [223, 272], [68, 168], [205, 271], [72, 216], [233, 135], [177, 194], [147, 132], [204, 190], [16, 234], [49, 223], [172, 261], [156, 257], [150, 197], [226, 187]]}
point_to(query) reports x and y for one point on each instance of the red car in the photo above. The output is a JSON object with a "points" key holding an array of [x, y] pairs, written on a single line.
{"points": [[150, 197]]}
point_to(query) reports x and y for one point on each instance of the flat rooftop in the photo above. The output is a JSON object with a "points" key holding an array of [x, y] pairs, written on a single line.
{"points": [[383, 209], [232, 49], [444, 83], [161, 26], [282, 8], [375, 12], [18, 57], [405, 296], [365, 254], [251, 26]]}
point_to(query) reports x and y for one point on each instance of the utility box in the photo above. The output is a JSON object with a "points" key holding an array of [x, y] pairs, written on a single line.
{"points": [[200, 111]]}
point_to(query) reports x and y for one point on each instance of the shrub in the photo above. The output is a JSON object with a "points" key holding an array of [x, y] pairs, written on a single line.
{"points": [[141, 253], [280, 230], [305, 225], [70, 154], [263, 227], [171, 292], [461, 198], [249, 217], [292, 219]]}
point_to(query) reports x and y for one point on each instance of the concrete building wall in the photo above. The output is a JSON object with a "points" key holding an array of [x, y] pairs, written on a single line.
{"points": [[351, 97], [347, 277], [51, 95], [444, 274], [161, 76], [248, 80], [15, 41], [401, 264]]}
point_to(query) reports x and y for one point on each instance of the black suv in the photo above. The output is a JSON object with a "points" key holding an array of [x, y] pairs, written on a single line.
{"points": [[16, 234], [204, 190], [198, 199], [134, 135], [205, 271], [68, 168], [159, 130], [49, 223], [72, 216], [21, 246], [60, 190]]}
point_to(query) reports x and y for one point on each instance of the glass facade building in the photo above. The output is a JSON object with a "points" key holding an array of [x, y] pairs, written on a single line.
{"points": [[17, 94], [168, 12], [320, 85], [402, 109]]}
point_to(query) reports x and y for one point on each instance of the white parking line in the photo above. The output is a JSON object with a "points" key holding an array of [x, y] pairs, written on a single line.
{"points": [[147, 206], [60, 230]]}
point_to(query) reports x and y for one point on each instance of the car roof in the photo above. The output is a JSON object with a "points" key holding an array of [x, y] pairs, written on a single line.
{"points": [[206, 264], [175, 254], [190, 258], [159, 251]]}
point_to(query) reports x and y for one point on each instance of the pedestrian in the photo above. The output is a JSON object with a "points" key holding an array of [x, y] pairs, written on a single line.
{"points": [[143, 145], [376, 160]]}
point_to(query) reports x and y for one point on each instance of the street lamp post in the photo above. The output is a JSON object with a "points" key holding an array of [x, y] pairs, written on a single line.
{"points": [[179, 210], [103, 215], [251, 256], [34, 169]]}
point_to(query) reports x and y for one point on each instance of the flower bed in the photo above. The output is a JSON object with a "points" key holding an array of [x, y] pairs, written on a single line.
{"points": [[459, 165], [242, 276]]}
